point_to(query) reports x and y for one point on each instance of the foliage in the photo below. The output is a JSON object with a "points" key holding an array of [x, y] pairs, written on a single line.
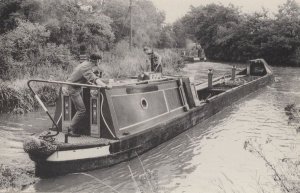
{"points": [[16, 100], [166, 38], [54, 33], [122, 63], [16, 97], [43, 39], [15, 179], [20, 48], [286, 171], [180, 34], [229, 35], [24, 50], [172, 62], [147, 21], [71, 25]]}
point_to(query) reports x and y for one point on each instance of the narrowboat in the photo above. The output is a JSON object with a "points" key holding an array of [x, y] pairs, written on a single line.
{"points": [[128, 119]]}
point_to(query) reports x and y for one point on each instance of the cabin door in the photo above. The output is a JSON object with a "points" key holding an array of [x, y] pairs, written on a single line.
{"points": [[95, 113]]}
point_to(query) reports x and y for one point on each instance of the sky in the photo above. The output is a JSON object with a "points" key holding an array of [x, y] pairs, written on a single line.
{"points": [[175, 9]]}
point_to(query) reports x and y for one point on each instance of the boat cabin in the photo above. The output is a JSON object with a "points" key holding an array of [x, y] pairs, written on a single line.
{"points": [[126, 109]]}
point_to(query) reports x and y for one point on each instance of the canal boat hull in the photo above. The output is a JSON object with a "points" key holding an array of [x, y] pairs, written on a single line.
{"points": [[112, 152]]}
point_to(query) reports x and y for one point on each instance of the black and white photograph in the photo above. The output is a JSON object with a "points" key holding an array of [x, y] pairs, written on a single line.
{"points": [[150, 96]]}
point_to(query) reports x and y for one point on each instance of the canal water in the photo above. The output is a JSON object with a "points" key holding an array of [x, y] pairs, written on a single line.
{"points": [[211, 157]]}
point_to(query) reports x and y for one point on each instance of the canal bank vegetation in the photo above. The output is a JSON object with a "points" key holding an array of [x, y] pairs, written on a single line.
{"points": [[44, 39], [227, 34], [286, 169], [15, 179], [285, 172]]}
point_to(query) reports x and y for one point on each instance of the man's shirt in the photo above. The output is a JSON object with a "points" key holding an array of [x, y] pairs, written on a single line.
{"points": [[155, 59], [82, 74]]}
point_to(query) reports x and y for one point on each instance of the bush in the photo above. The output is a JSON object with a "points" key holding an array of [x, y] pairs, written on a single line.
{"points": [[15, 179], [295, 59], [16, 97], [24, 50], [227, 34], [124, 63], [172, 62], [20, 48]]}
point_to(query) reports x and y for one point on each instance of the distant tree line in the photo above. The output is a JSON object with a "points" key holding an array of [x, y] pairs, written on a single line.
{"points": [[226, 34]]}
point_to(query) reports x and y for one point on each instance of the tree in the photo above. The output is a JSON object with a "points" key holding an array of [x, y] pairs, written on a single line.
{"points": [[71, 25], [167, 38], [21, 47], [286, 40], [227, 34], [208, 24], [147, 21], [180, 34], [8, 10]]}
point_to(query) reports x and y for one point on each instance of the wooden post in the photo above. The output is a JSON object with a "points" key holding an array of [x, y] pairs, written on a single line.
{"points": [[210, 75], [233, 73]]}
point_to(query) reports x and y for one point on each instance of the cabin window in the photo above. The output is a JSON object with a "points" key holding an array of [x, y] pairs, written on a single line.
{"points": [[144, 103]]}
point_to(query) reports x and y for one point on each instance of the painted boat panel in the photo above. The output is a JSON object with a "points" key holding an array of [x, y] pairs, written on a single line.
{"points": [[133, 108]]}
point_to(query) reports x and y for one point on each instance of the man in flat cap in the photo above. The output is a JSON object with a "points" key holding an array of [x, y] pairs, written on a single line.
{"points": [[82, 74], [155, 60]]}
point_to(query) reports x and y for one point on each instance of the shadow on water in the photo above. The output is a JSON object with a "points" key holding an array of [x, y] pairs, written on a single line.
{"points": [[209, 157]]}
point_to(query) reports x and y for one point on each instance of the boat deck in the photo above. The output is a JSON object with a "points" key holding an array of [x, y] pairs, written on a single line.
{"points": [[77, 142]]}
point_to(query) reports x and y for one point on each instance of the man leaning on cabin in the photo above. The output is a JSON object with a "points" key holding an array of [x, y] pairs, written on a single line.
{"points": [[155, 60], [82, 74]]}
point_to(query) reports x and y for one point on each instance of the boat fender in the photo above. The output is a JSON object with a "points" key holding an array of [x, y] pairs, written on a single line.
{"points": [[36, 146]]}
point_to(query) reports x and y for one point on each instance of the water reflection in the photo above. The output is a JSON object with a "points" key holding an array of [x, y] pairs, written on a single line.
{"points": [[207, 158]]}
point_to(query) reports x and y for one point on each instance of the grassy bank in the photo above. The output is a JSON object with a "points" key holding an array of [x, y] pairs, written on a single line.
{"points": [[121, 63], [15, 96]]}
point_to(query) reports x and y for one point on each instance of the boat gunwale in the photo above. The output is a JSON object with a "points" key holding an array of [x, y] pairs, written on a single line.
{"points": [[237, 87], [196, 108]]}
